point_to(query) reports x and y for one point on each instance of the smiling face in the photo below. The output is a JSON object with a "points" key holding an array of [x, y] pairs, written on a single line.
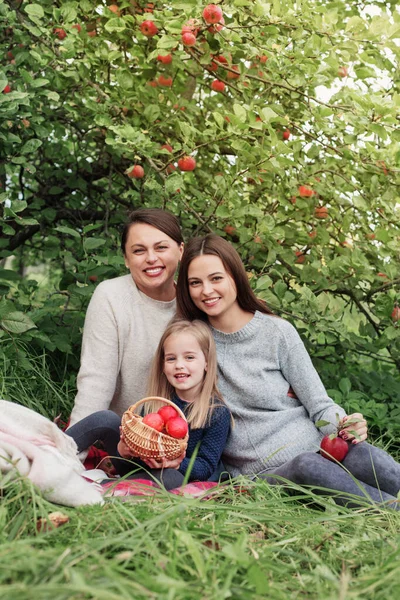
{"points": [[152, 258], [212, 289], [184, 365]]}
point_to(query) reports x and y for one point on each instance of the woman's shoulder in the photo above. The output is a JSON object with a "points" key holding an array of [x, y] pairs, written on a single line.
{"points": [[115, 285], [276, 326]]}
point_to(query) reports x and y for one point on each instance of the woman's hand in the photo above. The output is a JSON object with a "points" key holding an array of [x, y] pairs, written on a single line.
{"points": [[353, 424], [164, 463]]}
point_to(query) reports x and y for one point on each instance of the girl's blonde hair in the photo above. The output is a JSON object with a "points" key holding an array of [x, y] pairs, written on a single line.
{"points": [[200, 410]]}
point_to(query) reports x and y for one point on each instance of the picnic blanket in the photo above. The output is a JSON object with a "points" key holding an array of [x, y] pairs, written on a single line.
{"points": [[32, 446], [145, 487]]}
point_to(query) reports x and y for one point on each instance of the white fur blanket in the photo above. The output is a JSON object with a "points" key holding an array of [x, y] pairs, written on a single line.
{"points": [[33, 446]]}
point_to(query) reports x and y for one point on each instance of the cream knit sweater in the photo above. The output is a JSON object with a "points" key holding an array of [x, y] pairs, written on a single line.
{"points": [[122, 329]]}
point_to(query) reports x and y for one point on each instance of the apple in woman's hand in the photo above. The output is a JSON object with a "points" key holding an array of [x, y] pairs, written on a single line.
{"points": [[334, 447]]}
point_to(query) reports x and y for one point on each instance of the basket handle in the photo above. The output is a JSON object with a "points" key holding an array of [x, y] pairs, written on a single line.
{"points": [[133, 407]]}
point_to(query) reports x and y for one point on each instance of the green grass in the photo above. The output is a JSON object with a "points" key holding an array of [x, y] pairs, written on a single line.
{"points": [[251, 543], [255, 544]]}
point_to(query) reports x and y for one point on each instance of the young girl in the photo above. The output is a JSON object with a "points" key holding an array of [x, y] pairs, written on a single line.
{"points": [[185, 371], [274, 392]]}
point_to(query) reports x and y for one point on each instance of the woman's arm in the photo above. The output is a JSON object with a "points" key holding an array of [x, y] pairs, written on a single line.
{"points": [[98, 373], [299, 372]]}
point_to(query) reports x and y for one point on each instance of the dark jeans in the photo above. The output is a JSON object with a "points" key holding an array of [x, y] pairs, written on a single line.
{"points": [[104, 426], [375, 475]]}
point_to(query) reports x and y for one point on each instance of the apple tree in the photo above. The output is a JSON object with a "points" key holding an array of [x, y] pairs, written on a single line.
{"points": [[274, 124]]}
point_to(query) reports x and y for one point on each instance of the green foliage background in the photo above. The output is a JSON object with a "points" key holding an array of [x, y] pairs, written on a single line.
{"points": [[81, 112]]}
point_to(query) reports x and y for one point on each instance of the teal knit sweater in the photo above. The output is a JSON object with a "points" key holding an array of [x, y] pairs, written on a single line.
{"points": [[256, 366]]}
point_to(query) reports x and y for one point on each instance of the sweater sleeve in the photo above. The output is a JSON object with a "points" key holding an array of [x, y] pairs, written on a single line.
{"points": [[99, 368], [211, 446], [300, 373]]}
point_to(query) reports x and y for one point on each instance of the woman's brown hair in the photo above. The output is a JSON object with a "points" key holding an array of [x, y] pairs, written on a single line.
{"points": [[156, 217], [217, 246]]}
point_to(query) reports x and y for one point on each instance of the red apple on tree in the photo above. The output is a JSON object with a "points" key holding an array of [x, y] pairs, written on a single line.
{"points": [[7, 89], [177, 427], [191, 26], [300, 257], [212, 13], [167, 147], [321, 212], [60, 33], [286, 134], [154, 420], [137, 172], [187, 163], [166, 59], [188, 39], [165, 81], [235, 75], [217, 85], [114, 8], [396, 313], [305, 191], [149, 28], [343, 71], [229, 229]]}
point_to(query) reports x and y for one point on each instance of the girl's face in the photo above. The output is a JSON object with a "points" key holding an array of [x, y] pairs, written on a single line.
{"points": [[152, 258], [184, 365], [212, 288]]}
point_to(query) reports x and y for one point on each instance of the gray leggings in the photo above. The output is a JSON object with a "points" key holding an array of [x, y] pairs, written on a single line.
{"points": [[375, 475], [103, 426]]}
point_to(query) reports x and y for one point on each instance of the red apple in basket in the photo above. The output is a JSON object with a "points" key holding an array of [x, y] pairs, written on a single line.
{"points": [[334, 447], [154, 420], [177, 427], [167, 412]]}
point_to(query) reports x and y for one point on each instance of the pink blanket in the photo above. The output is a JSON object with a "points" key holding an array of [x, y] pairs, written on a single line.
{"points": [[144, 487]]}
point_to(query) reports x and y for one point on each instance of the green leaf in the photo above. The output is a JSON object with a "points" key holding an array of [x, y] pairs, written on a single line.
{"points": [[345, 385], [34, 10], [93, 243], [17, 322], [268, 114], [53, 96], [31, 146], [240, 112], [322, 423], [69, 231]]}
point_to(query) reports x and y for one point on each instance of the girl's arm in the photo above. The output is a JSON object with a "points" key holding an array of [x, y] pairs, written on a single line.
{"points": [[211, 447]]}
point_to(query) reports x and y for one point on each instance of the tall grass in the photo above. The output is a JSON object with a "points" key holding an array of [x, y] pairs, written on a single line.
{"points": [[255, 541]]}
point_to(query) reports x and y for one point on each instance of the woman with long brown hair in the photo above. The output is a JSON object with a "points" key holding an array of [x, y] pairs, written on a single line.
{"points": [[268, 381]]}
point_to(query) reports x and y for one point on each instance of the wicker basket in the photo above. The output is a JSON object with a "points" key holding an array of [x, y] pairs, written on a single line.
{"points": [[146, 442]]}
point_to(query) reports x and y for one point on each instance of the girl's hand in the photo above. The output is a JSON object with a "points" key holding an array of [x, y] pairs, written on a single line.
{"points": [[123, 449], [164, 463], [353, 424]]}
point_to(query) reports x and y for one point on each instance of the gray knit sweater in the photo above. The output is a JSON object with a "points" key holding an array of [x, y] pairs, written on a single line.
{"points": [[256, 367], [122, 329]]}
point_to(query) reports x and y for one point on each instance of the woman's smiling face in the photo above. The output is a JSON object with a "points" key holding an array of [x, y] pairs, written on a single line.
{"points": [[211, 287], [152, 258]]}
